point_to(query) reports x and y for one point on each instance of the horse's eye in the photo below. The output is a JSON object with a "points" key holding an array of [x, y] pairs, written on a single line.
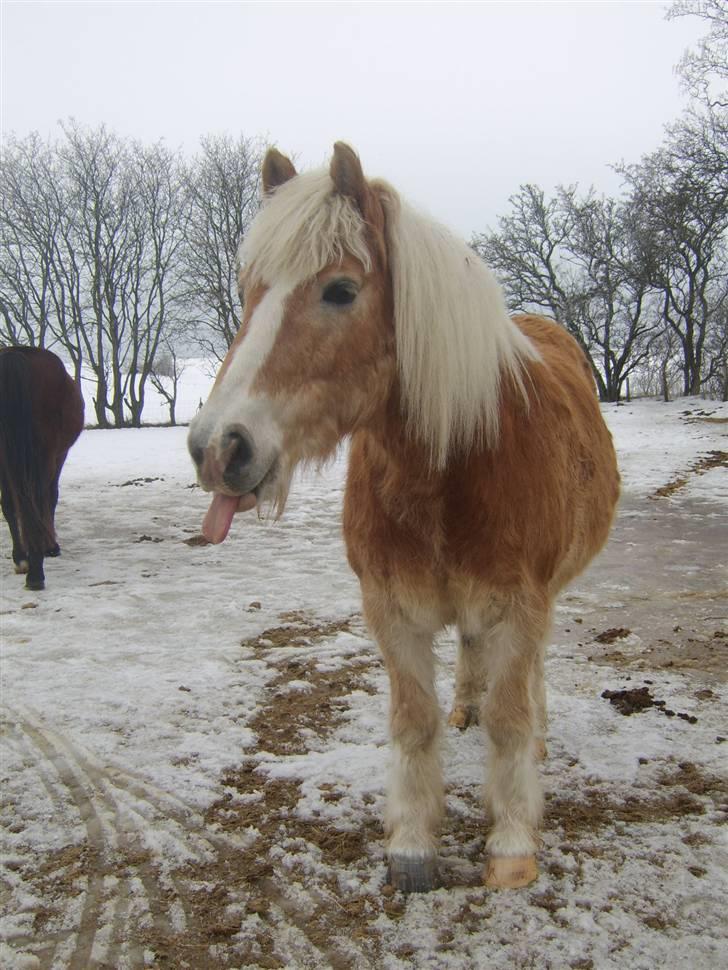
{"points": [[340, 293]]}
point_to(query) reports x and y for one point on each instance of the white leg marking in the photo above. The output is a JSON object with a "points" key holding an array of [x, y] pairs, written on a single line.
{"points": [[510, 712], [415, 799]]}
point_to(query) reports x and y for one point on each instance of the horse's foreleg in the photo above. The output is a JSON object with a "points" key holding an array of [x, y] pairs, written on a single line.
{"points": [[36, 577], [415, 798], [512, 712], [470, 681]]}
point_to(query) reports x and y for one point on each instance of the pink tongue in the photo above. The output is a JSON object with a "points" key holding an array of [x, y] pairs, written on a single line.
{"points": [[220, 514]]}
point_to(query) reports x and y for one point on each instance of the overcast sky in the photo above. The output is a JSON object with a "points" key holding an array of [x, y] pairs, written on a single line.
{"points": [[456, 103]]}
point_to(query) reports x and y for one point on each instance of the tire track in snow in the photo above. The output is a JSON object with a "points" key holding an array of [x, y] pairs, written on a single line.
{"points": [[54, 788], [334, 956], [115, 806], [89, 918], [109, 841]]}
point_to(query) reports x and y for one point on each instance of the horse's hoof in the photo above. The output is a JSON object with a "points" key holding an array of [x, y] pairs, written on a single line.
{"points": [[412, 875], [540, 751], [35, 584], [463, 715], [53, 552], [510, 871], [21, 567]]}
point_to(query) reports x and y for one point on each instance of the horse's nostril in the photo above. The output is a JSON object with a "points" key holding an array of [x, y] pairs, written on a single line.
{"points": [[240, 451], [197, 453]]}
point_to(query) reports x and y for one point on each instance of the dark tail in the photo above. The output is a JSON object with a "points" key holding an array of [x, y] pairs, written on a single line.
{"points": [[24, 477]]}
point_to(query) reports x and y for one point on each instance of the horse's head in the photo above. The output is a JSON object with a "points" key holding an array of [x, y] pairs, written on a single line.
{"points": [[314, 357]]}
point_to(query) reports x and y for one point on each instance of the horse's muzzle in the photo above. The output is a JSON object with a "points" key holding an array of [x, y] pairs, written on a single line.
{"points": [[225, 462]]}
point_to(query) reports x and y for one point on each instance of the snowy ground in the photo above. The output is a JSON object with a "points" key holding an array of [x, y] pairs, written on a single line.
{"points": [[194, 738]]}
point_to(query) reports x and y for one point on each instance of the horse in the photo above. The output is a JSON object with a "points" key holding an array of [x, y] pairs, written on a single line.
{"points": [[41, 416], [481, 476]]}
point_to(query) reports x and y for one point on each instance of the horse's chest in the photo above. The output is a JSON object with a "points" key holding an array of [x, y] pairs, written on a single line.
{"points": [[394, 538]]}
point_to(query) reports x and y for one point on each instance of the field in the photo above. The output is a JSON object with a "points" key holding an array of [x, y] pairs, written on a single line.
{"points": [[194, 737]]}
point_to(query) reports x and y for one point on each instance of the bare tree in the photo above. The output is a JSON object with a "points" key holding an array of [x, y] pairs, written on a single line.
{"points": [[126, 238], [91, 256], [715, 380], [576, 259], [705, 69], [152, 287], [679, 198], [223, 193], [165, 377], [28, 229], [527, 253], [99, 192]]}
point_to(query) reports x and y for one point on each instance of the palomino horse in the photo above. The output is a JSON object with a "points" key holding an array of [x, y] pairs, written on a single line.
{"points": [[481, 475], [41, 415]]}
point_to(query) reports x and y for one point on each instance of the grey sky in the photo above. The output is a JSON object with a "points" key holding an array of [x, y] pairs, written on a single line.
{"points": [[456, 104]]}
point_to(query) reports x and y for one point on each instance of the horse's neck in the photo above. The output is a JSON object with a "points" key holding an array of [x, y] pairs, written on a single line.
{"points": [[396, 459]]}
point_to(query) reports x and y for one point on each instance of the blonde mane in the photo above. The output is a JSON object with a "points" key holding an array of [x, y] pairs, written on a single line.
{"points": [[455, 339], [303, 226]]}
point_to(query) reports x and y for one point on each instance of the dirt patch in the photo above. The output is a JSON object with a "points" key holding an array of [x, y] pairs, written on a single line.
{"points": [[680, 790], [615, 633], [138, 482], [598, 810], [708, 653], [705, 418], [282, 842], [703, 654], [316, 707], [698, 782], [299, 629], [62, 874], [713, 459]]}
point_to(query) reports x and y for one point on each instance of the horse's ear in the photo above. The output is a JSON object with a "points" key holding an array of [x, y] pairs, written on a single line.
{"points": [[277, 169], [347, 174]]}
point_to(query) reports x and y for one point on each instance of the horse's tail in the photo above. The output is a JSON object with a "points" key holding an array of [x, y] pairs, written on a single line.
{"points": [[24, 477]]}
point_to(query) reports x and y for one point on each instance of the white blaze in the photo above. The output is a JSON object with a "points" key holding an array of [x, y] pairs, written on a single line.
{"points": [[231, 401], [253, 350]]}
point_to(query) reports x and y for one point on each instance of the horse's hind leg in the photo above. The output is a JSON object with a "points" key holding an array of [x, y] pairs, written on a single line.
{"points": [[415, 799], [512, 712], [20, 555], [470, 681], [54, 549]]}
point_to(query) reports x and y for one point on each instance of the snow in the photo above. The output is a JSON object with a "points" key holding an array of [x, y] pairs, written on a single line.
{"points": [[131, 688]]}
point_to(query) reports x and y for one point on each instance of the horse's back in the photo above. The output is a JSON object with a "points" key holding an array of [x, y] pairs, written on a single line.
{"points": [[55, 401]]}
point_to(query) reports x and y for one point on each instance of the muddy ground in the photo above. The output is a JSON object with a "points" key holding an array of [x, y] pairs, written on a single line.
{"points": [[264, 886]]}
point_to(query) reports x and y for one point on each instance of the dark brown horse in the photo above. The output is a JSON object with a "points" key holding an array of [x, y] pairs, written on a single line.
{"points": [[41, 415]]}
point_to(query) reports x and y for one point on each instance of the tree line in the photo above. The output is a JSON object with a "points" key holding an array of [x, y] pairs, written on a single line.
{"points": [[124, 255], [641, 281]]}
